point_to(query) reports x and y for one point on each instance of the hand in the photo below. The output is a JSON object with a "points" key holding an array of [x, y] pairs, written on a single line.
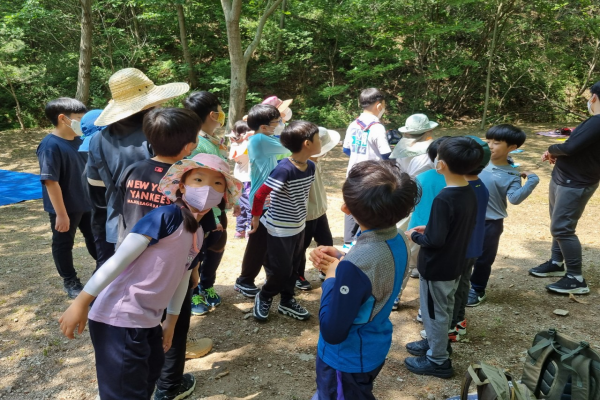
{"points": [[525, 174], [420, 229], [62, 223], [248, 134], [168, 327], [237, 210], [322, 256], [219, 227], [409, 233], [255, 224], [548, 157], [74, 317]]}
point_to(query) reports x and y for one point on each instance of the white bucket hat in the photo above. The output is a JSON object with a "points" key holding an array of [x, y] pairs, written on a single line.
{"points": [[329, 138], [418, 123], [132, 91]]}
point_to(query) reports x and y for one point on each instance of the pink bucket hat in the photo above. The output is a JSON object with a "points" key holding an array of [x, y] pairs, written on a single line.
{"points": [[276, 102], [169, 184]]}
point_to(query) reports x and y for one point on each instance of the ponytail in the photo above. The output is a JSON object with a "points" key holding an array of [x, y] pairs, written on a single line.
{"points": [[190, 223]]}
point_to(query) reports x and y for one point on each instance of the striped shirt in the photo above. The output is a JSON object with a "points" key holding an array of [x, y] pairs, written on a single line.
{"points": [[286, 215]]}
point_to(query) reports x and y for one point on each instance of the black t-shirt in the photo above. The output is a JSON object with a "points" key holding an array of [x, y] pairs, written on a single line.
{"points": [[578, 158], [61, 161], [444, 244]]}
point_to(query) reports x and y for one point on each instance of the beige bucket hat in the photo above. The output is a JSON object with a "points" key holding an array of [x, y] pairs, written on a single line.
{"points": [[132, 91]]}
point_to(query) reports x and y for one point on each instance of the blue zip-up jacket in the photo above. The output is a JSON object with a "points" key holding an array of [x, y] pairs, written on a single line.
{"points": [[356, 332]]}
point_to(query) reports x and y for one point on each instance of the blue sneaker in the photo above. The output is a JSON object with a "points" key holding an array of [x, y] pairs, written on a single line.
{"points": [[396, 304], [211, 297], [199, 305], [475, 298]]}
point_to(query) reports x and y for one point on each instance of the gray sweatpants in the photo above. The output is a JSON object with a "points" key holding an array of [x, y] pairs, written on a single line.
{"points": [[437, 303], [566, 207]]}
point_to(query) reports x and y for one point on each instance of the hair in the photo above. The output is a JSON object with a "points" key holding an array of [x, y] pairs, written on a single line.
{"points": [[169, 129], [202, 103], [240, 128], [432, 150], [461, 154], [506, 133], [378, 194], [262, 114], [370, 96], [63, 105], [595, 89], [486, 156], [294, 135]]}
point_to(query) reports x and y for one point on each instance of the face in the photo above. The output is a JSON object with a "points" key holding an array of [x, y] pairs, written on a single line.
{"points": [[314, 147], [66, 119], [217, 118], [270, 129], [499, 149], [200, 177]]}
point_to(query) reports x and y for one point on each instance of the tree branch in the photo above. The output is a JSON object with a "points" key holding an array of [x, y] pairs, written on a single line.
{"points": [[269, 9]]}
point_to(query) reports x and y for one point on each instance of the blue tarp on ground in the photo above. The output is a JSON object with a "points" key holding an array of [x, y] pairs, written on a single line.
{"points": [[16, 187]]}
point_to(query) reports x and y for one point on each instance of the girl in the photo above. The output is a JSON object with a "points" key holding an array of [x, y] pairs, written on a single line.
{"points": [[239, 153], [149, 272]]}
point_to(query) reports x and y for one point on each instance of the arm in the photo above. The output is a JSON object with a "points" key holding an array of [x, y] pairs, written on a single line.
{"points": [[56, 198], [516, 193], [271, 146], [437, 229], [587, 134], [380, 142], [341, 301], [346, 151], [173, 310], [257, 207]]}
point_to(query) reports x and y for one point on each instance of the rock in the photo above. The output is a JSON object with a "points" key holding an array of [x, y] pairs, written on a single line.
{"points": [[222, 374], [16, 319], [399, 379], [228, 333], [487, 343], [306, 357], [561, 312], [248, 315], [287, 372], [269, 365], [255, 330], [430, 396]]}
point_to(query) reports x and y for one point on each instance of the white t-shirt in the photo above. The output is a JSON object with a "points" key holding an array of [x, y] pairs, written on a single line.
{"points": [[238, 152], [366, 145]]}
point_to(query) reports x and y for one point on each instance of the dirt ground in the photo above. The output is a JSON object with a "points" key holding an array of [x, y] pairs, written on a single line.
{"points": [[276, 360]]}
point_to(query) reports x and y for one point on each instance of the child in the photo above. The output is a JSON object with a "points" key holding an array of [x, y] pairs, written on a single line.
{"points": [[502, 181], [317, 225], [285, 219], [365, 139], [358, 292], [208, 108], [263, 150], [444, 243], [282, 105], [239, 153], [63, 193], [411, 150], [89, 129], [132, 289], [172, 133]]}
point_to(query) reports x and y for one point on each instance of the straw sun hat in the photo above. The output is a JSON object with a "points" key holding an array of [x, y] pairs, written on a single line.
{"points": [[133, 92]]}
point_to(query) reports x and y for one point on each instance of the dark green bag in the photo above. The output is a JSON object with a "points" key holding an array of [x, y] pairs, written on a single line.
{"points": [[493, 383], [561, 368]]}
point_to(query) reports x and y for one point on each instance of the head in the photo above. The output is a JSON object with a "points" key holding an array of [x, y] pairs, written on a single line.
{"points": [[172, 132], [208, 108], [486, 156], [265, 118], [240, 128], [378, 194], [503, 139], [65, 114], [282, 105], [432, 150], [372, 100], [594, 101], [458, 155], [88, 126], [301, 136]]}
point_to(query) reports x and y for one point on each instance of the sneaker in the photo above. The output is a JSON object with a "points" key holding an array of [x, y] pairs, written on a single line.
{"points": [[569, 284], [419, 316], [423, 366], [261, 308], [322, 276], [240, 235], [548, 269], [461, 327], [475, 298], [294, 310], [199, 305], [181, 391], [414, 273], [246, 290], [211, 297], [396, 304], [420, 347], [73, 287], [303, 284], [453, 336]]}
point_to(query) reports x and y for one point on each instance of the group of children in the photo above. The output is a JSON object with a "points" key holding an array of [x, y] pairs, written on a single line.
{"points": [[152, 207]]}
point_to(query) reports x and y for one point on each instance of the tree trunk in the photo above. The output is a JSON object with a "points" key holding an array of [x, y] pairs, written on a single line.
{"points": [[489, 68], [184, 45], [85, 53], [281, 26]]}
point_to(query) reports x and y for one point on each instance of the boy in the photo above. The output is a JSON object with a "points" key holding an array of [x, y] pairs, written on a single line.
{"points": [[285, 219], [411, 151], [263, 150], [365, 140], [64, 197], [444, 244], [358, 292], [502, 181], [172, 133]]}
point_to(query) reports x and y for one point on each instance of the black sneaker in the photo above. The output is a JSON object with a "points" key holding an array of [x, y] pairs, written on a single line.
{"points": [[423, 366], [303, 284], [183, 390], [569, 284], [322, 276], [420, 347], [73, 287], [261, 308], [475, 298], [548, 269], [246, 290], [294, 310]]}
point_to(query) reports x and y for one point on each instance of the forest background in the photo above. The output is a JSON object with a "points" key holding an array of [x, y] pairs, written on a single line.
{"points": [[535, 58]]}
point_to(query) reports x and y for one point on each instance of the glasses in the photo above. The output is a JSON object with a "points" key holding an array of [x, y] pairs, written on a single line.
{"points": [[279, 121]]}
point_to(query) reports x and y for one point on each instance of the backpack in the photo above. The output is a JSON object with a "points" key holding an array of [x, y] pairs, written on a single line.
{"points": [[561, 368], [493, 383]]}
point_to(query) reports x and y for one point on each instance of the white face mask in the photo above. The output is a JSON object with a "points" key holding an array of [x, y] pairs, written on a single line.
{"points": [[277, 131], [590, 105], [436, 162], [75, 126], [381, 113], [202, 198]]}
